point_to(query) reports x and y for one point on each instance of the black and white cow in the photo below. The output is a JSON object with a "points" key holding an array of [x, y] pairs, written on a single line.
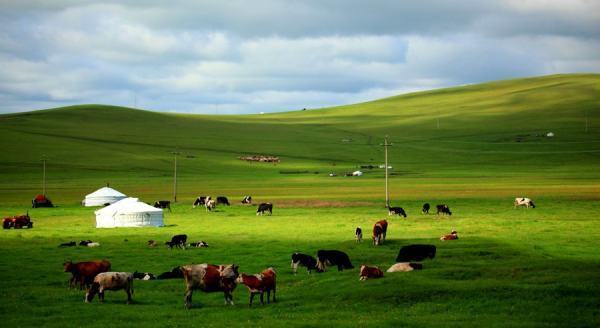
{"points": [[396, 211], [164, 204], [247, 200], [299, 259], [416, 252], [264, 207], [333, 257], [524, 202], [358, 234], [177, 241], [143, 276], [201, 200], [443, 209]]}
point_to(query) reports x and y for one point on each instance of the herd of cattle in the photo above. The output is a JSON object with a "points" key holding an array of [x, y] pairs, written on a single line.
{"points": [[96, 277]]}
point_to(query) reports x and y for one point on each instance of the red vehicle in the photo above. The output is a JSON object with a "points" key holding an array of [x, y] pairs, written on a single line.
{"points": [[17, 222]]}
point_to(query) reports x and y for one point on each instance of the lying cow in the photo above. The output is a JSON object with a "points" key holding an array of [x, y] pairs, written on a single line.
{"points": [[367, 272], [396, 211], [210, 205], [222, 200], [259, 284], [444, 209], [84, 272], [177, 241], [210, 278], [110, 281], [416, 253], [405, 267], [524, 202], [69, 244], [358, 234], [247, 200], [164, 204], [143, 276], [333, 257], [264, 207], [425, 209], [175, 273], [201, 200], [379, 232], [452, 236], [304, 260], [84, 242], [198, 244]]}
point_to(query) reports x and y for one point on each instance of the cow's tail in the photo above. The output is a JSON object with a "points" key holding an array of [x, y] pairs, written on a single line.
{"points": [[130, 283]]}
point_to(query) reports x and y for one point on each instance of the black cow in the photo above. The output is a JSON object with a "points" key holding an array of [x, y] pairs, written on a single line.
{"points": [[143, 276], [222, 200], [264, 207], [175, 273], [304, 260], [396, 211], [333, 257], [444, 209], [69, 244], [416, 253], [201, 200], [163, 204], [247, 200], [177, 241], [358, 234], [426, 208]]}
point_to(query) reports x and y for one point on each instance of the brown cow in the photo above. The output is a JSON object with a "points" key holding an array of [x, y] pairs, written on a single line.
{"points": [[110, 281], [367, 272], [259, 284], [452, 236], [84, 272], [379, 232], [209, 278]]}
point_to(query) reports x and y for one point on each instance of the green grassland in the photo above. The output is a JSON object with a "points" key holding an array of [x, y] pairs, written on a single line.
{"points": [[510, 267]]}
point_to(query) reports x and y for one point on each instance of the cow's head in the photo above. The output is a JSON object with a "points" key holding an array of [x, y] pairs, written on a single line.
{"points": [[68, 266], [531, 204], [89, 296]]}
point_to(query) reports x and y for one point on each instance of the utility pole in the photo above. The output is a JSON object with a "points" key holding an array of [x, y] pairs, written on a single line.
{"points": [[387, 193], [44, 176], [175, 176]]}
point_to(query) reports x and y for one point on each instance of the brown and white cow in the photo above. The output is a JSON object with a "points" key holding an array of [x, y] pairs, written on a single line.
{"points": [[259, 284], [110, 281], [84, 272], [524, 202], [210, 205], [379, 232], [405, 267], [367, 272], [210, 278], [452, 236]]}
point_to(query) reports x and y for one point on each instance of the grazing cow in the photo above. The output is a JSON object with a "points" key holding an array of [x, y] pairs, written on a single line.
{"points": [[143, 276], [396, 211], [177, 241], [152, 243], [110, 281], [268, 207], [164, 204], [259, 284], [367, 272], [444, 209], [175, 273], [333, 257], [199, 244], [210, 278], [524, 202], [426, 208], [358, 234], [201, 200], [222, 200], [69, 244], [452, 236], [210, 205], [304, 260], [379, 232], [84, 272], [405, 267], [416, 253], [247, 200]]}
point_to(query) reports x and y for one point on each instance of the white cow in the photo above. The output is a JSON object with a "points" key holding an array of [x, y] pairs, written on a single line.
{"points": [[524, 202]]}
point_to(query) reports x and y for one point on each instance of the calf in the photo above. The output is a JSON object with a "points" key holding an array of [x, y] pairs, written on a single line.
{"points": [[259, 284], [210, 278], [222, 200], [379, 232], [304, 260], [198, 244], [452, 236], [247, 200], [405, 267], [164, 204], [358, 234], [444, 209], [143, 276], [84, 272], [524, 202], [264, 207], [416, 253], [201, 200], [367, 272], [333, 257], [177, 241], [396, 211], [110, 281], [175, 273], [426, 208], [210, 205]]}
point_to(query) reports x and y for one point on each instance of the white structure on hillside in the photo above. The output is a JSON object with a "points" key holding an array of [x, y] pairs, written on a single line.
{"points": [[102, 196], [129, 212]]}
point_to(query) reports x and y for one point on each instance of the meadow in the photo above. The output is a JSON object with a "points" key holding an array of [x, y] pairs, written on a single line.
{"points": [[510, 267]]}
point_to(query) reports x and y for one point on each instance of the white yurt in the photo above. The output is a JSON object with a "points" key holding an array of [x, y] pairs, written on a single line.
{"points": [[102, 196], [129, 212]]}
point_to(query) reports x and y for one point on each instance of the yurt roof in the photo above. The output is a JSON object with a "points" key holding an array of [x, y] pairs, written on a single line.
{"points": [[127, 205], [106, 191]]}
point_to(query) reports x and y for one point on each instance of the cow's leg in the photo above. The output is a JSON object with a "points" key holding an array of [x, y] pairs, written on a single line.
{"points": [[128, 290], [101, 295], [295, 267], [340, 267], [188, 298], [262, 302], [228, 297]]}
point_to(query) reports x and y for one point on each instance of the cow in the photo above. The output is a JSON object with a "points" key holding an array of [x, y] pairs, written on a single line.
{"points": [[93, 244], [84, 242], [405, 267], [268, 207], [444, 209], [152, 243], [222, 200], [69, 244], [416, 252], [209, 278], [247, 200], [524, 202], [259, 284], [177, 241], [367, 272], [358, 234], [304, 260], [110, 281], [452, 236], [198, 244], [379, 232], [333, 257], [164, 204], [396, 211], [200, 200], [143, 276], [210, 205], [84, 272], [175, 273], [426, 208]]}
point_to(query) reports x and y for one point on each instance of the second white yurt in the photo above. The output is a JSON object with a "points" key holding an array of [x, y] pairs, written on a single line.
{"points": [[103, 196], [129, 212]]}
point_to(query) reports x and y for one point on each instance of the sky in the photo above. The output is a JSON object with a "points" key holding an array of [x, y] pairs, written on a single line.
{"points": [[230, 57]]}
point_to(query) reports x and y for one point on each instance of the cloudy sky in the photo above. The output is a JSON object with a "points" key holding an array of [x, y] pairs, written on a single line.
{"points": [[265, 55]]}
